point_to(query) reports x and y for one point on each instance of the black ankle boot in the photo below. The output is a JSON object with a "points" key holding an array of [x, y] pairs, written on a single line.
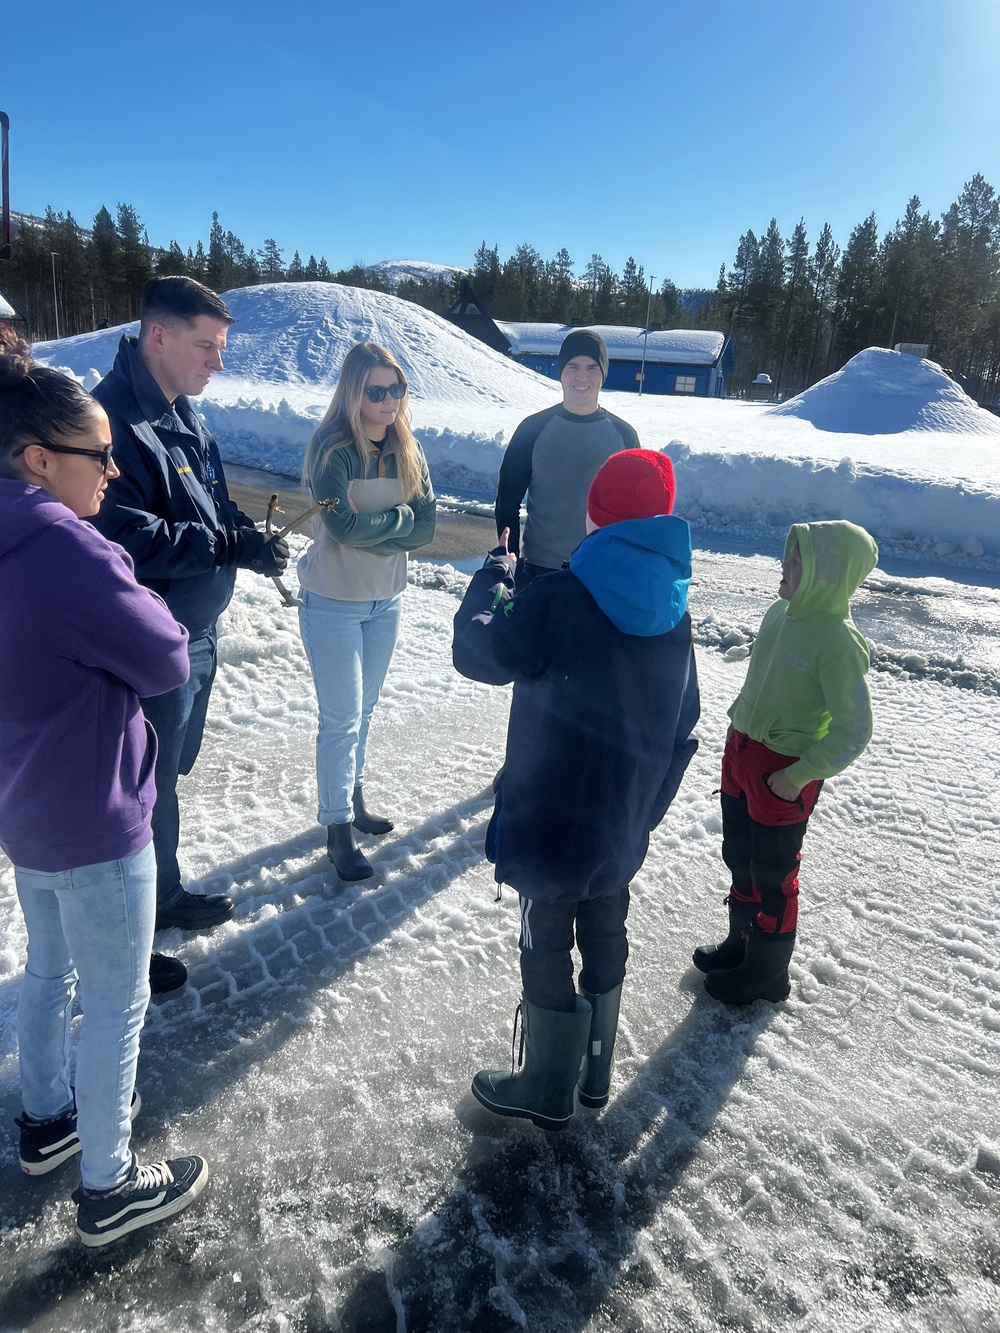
{"points": [[763, 974], [709, 957], [342, 850], [365, 822]]}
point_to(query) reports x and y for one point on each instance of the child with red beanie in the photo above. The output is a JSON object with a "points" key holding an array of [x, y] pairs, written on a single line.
{"points": [[605, 699]]}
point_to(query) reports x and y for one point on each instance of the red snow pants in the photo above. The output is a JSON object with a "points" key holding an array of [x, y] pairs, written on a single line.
{"points": [[762, 834]]}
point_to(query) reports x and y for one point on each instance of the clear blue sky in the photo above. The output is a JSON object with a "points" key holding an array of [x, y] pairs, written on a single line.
{"points": [[415, 131]]}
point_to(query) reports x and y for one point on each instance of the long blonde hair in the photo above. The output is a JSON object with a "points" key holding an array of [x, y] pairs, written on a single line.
{"points": [[341, 426]]}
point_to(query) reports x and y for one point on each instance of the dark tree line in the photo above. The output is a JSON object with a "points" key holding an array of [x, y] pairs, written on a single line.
{"points": [[796, 310]]}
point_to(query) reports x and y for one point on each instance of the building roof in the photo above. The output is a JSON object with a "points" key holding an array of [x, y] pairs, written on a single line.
{"points": [[7, 311], [680, 347]]}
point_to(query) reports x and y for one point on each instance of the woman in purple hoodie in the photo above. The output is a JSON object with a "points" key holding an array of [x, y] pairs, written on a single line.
{"points": [[80, 641]]}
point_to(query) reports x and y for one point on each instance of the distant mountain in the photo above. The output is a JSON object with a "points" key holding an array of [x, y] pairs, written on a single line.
{"points": [[414, 270], [694, 298]]}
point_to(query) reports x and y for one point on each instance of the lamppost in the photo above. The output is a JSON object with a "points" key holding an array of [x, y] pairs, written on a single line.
{"points": [[55, 297], [645, 333]]}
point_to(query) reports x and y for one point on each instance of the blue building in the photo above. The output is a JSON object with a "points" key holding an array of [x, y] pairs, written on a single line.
{"points": [[692, 362]]}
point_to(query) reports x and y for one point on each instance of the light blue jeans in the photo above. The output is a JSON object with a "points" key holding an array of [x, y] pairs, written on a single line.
{"points": [[89, 928], [349, 646]]}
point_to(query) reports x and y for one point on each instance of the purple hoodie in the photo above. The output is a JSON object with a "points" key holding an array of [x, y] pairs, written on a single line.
{"points": [[80, 641]]}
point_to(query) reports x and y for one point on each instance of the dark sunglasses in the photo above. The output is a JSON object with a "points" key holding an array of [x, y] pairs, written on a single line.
{"points": [[103, 456], [377, 392]]}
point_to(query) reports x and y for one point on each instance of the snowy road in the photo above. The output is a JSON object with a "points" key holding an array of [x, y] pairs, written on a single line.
{"points": [[829, 1164]]}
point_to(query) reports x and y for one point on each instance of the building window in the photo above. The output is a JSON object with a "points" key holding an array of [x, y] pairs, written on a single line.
{"points": [[685, 383]]}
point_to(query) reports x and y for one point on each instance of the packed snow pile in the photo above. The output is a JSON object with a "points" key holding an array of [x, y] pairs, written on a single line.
{"points": [[294, 336], [880, 392]]}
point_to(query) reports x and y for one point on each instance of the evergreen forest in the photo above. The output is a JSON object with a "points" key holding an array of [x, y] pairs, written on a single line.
{"points": [[797, 307]]}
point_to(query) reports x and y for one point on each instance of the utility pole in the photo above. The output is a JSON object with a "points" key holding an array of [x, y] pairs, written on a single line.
{"points": [[645, 333]]}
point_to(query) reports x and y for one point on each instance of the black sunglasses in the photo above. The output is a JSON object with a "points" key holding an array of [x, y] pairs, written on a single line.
{"points": [[103, 456], [377, 392]]}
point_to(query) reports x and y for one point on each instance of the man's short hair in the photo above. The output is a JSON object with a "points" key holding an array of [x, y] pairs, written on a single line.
{"points": [[179, 300]]}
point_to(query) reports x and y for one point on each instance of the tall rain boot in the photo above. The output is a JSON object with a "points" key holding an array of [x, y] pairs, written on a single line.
{"points": [[543, 1090], [710, 958], [364, 821], [349, 862], [763, 974], [594, 1087]]}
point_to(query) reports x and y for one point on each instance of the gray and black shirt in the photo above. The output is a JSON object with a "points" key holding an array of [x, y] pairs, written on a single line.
{"points": [[554, 455]]}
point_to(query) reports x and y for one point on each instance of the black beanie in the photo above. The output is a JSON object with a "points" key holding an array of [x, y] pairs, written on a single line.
{"points": [[584, 342]]}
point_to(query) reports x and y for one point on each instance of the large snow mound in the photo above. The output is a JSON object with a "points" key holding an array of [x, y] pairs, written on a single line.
{"points": [[296, 335], [880, 392]]}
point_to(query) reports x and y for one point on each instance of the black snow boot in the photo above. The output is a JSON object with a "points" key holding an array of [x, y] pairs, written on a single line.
{"points": [[712, 957], [595, 1080], [348, 861], [364, 821], [763, 974], [543, 1088]]}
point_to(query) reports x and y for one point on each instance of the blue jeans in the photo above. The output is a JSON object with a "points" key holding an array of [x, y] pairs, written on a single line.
{"points": [[178, 718], [92, 927], [349, 646]]}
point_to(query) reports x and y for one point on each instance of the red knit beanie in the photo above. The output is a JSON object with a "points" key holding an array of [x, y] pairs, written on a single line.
{"points": [[636, 483]]}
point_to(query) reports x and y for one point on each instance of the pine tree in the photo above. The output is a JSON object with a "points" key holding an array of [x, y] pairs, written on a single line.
{"points": [[295, 270], [270, 261], [135, 260]]}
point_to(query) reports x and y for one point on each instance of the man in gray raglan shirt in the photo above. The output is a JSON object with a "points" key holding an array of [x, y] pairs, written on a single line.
{"points": [[554, 456]]}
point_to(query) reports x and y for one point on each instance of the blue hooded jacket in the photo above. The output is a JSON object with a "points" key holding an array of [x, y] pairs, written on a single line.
{"points": [[605, 699]]}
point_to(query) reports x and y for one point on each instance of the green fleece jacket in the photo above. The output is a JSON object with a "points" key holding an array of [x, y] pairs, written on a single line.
{"points": [[805, 692], [399, 528]]}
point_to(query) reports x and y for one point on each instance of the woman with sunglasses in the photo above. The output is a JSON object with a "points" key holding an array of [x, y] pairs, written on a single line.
{"points": [[80, 641], [364, 460]]}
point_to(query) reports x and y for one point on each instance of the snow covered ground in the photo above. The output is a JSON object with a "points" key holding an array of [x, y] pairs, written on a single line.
{"points": [[890, 441], [829, 1164]]}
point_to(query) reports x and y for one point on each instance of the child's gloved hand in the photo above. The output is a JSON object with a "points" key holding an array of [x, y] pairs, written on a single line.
{"points": [[782, 788]]}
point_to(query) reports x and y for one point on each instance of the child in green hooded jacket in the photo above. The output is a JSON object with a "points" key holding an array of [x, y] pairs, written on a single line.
{"points": [[803, 715]]}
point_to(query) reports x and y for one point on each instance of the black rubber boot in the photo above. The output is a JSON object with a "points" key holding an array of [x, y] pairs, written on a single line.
{"points": [[543, 1090], [763, 974], [709, 957], [595, 1080], [348, 861], [365, 822]]}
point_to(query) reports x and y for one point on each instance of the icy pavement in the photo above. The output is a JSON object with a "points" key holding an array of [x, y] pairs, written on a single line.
{"points": [[829, 1164]]}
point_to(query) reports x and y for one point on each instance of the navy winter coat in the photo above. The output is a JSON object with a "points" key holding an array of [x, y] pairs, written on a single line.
{"points": [[170, 508], [605, 699]]}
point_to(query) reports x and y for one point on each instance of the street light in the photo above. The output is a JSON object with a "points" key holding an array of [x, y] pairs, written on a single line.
{"points": [[645, 333], [55, 298]]}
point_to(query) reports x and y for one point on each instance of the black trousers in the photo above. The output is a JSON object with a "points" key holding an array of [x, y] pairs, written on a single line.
{"points": [[546, 942], [524, 573]]}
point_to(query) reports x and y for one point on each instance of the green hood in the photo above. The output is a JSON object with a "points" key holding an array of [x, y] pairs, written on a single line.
{"points": [[837, 557]]}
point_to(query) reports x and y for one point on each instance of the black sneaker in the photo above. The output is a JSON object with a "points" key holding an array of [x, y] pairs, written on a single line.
{"points": [[194, 911], [151, 1194], [46, 1144], [166, 975]]}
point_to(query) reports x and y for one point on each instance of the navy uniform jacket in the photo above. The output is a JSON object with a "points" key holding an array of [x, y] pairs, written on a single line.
{"points": [[605, 699], [170, 508]]}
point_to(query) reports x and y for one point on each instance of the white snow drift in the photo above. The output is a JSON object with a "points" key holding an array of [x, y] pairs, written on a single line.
{"points": [[924, 476]]}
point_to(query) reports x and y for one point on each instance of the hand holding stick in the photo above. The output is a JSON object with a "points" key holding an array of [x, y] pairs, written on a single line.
{"points": [[272, 509]]}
